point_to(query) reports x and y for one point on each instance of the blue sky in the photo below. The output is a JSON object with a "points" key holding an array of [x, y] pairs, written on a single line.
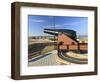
{"points": [[36, 24]]}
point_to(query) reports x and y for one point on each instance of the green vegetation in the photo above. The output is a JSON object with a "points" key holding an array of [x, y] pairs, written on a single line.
{"points": [[34, 55], [53, 39], [47, 49], [44, 51], [82, 38]]}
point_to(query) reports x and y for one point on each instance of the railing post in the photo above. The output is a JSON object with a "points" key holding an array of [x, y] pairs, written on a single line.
{"points": [[78, 47], [68, 47]]}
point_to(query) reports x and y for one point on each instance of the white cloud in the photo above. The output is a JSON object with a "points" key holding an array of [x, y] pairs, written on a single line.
{"points": [[51, 26], [74, 23], [77, 23], [57, 25], [37, 20]]}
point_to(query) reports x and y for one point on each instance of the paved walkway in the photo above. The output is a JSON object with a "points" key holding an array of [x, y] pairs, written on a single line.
{"points": [[46, 60], [52, 59]]}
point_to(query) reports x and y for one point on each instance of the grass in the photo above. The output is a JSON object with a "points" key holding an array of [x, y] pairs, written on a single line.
{"points": [[44, 51], [48, 49]]}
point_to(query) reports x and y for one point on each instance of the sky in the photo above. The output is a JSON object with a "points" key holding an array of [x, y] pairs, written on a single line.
{"points": [[37, 23]]}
